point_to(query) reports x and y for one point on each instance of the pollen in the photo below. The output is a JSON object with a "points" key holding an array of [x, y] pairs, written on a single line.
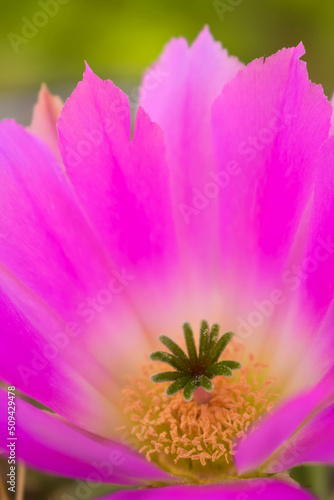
{"points": [[193, 439]]}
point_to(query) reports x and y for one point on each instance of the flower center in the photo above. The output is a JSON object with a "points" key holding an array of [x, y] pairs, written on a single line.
{"points": [[195, 438]]}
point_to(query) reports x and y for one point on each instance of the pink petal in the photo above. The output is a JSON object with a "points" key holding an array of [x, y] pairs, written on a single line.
{"points": [[277, 428], [332, 120], [268, 124], [320, 343], [313, 312], [44, 119], [122, 185], [52, 445], [53, 264], [46, 373], [250, 489], [317, 289], [178, 92], [313, 443], [46, 239]]}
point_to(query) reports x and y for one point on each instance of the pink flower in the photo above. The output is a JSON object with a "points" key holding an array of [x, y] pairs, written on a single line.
{"points": [[218, 207]]}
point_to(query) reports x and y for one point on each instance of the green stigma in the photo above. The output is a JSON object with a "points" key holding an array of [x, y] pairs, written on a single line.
{"points": [[197, 369]]}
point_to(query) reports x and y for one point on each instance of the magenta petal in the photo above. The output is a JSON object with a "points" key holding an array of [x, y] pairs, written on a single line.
{"points": [[313, 443], [52, 263], [277, 428], [52, 445], [319, 284], [314, 308], [46, 241], [53, 382], [177, 93], [250, 489], [268, 124], [122, 185], [321, 339], [332, 121]]}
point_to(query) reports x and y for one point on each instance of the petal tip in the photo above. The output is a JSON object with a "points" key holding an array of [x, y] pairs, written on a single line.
{"points": [[300, 50]]}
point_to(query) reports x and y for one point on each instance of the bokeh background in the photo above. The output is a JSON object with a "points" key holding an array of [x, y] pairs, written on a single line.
{"points": [[119, 39]]}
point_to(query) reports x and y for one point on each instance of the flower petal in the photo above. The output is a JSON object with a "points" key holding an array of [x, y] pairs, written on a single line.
{"points": [[44, 119], [317, 289], [46, 241], [332, 121], [250, 489], [319, 338], [122, 185], [59, 277], [35, 366], [313, 443], [269, 123], [177, 93], [276, 429], [52, 445], [313, 279]]}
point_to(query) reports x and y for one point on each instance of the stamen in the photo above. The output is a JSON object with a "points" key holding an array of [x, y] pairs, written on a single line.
{"points": [[197, 439], [195, 370]]}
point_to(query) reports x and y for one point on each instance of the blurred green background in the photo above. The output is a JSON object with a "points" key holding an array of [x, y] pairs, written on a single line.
{"points": [[119, 39]]}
